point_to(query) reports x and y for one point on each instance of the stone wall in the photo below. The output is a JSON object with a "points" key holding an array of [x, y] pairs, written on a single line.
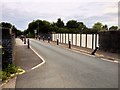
{"points": [[7, 44], [110, 41]]}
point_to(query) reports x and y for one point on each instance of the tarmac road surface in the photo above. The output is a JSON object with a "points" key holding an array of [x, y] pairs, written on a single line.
{"points": [[67, 69]]}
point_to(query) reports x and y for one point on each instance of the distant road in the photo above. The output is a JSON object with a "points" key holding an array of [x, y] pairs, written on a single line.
{"points": [[67, 69]]}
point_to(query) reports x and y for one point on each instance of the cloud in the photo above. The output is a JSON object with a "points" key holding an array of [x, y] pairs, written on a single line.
{"points": [[61, 1], [22, 12]]}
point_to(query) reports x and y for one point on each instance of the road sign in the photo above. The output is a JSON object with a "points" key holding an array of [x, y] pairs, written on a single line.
{"points": [[35, 31]]}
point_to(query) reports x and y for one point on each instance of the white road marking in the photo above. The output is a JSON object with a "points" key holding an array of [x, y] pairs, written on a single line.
{"points": [[75, 50], [43, 61]]}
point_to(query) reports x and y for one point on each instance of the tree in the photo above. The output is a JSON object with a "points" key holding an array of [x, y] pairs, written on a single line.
{"points": [[81, 26], [46, 27], [40, 26], [15, 31], [97, 26], [31, 27], [72, 24], [5, 25], [105, 28], [112, 28], [9, 26], [60, 23]]}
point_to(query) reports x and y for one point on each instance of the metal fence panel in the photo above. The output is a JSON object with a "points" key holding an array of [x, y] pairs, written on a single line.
{"points": [[78, 39], [67, 38], [86, 40], [74, 39], [83, 40], [89, 41]]}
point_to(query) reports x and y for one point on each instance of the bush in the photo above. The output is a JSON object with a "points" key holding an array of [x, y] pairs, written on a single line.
{"points": [[0, 75], [11, 69], [6, 73]]}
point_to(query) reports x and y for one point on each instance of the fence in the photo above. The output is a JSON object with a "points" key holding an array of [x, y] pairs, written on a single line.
{"points": [[82, 40]]}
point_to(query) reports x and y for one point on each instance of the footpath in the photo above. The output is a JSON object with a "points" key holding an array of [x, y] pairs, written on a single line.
{"points": [[25, 58], [100, 54]]}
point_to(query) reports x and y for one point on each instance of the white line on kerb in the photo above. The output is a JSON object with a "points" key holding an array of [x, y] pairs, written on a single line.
{"points": [[43, 61]]}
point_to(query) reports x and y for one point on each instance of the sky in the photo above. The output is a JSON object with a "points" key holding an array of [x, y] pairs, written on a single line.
{"points": [[21, 12]]}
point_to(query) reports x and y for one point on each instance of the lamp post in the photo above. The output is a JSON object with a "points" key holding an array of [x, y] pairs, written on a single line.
{"points": [[11, 29], [38, 28]]}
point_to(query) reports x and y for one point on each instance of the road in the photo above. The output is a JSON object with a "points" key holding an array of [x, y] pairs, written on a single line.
{"points": [[67, 69]]}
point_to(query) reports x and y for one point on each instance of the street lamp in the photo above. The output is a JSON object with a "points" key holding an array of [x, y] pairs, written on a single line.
{"points": [[11, 29], [38, 28]]}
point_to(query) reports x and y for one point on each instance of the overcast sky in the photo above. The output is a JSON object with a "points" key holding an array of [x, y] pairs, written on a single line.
{"points": [[22, 12]]}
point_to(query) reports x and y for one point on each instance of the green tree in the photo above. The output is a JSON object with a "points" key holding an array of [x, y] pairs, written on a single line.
{"points": [[5, 25], [60, 23], [40, 26], [97, 27], [31, 27], [72, 24], [112, 28], [9, 26], [16, 31], [81, 27], [46, 28]]}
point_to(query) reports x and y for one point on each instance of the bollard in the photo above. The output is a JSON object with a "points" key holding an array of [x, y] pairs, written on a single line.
{"points": [[24, 40], [43, 38], [93, 53], [57, 42], [69, 44], [48, 39], [28, 44], [39, 37]]}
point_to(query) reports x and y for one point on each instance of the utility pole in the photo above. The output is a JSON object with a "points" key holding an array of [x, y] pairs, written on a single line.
{"points": [[38, 28]]}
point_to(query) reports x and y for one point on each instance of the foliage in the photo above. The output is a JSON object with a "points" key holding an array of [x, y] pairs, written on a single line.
{"points": [[97, 26], [40, 26], [10, 69], [72, 24], [5, 24], [113, 28], [4, 75], [60, 23], [10, 26]]}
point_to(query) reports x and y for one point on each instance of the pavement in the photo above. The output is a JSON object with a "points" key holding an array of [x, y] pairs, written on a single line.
{"points": [[25, 58]]}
